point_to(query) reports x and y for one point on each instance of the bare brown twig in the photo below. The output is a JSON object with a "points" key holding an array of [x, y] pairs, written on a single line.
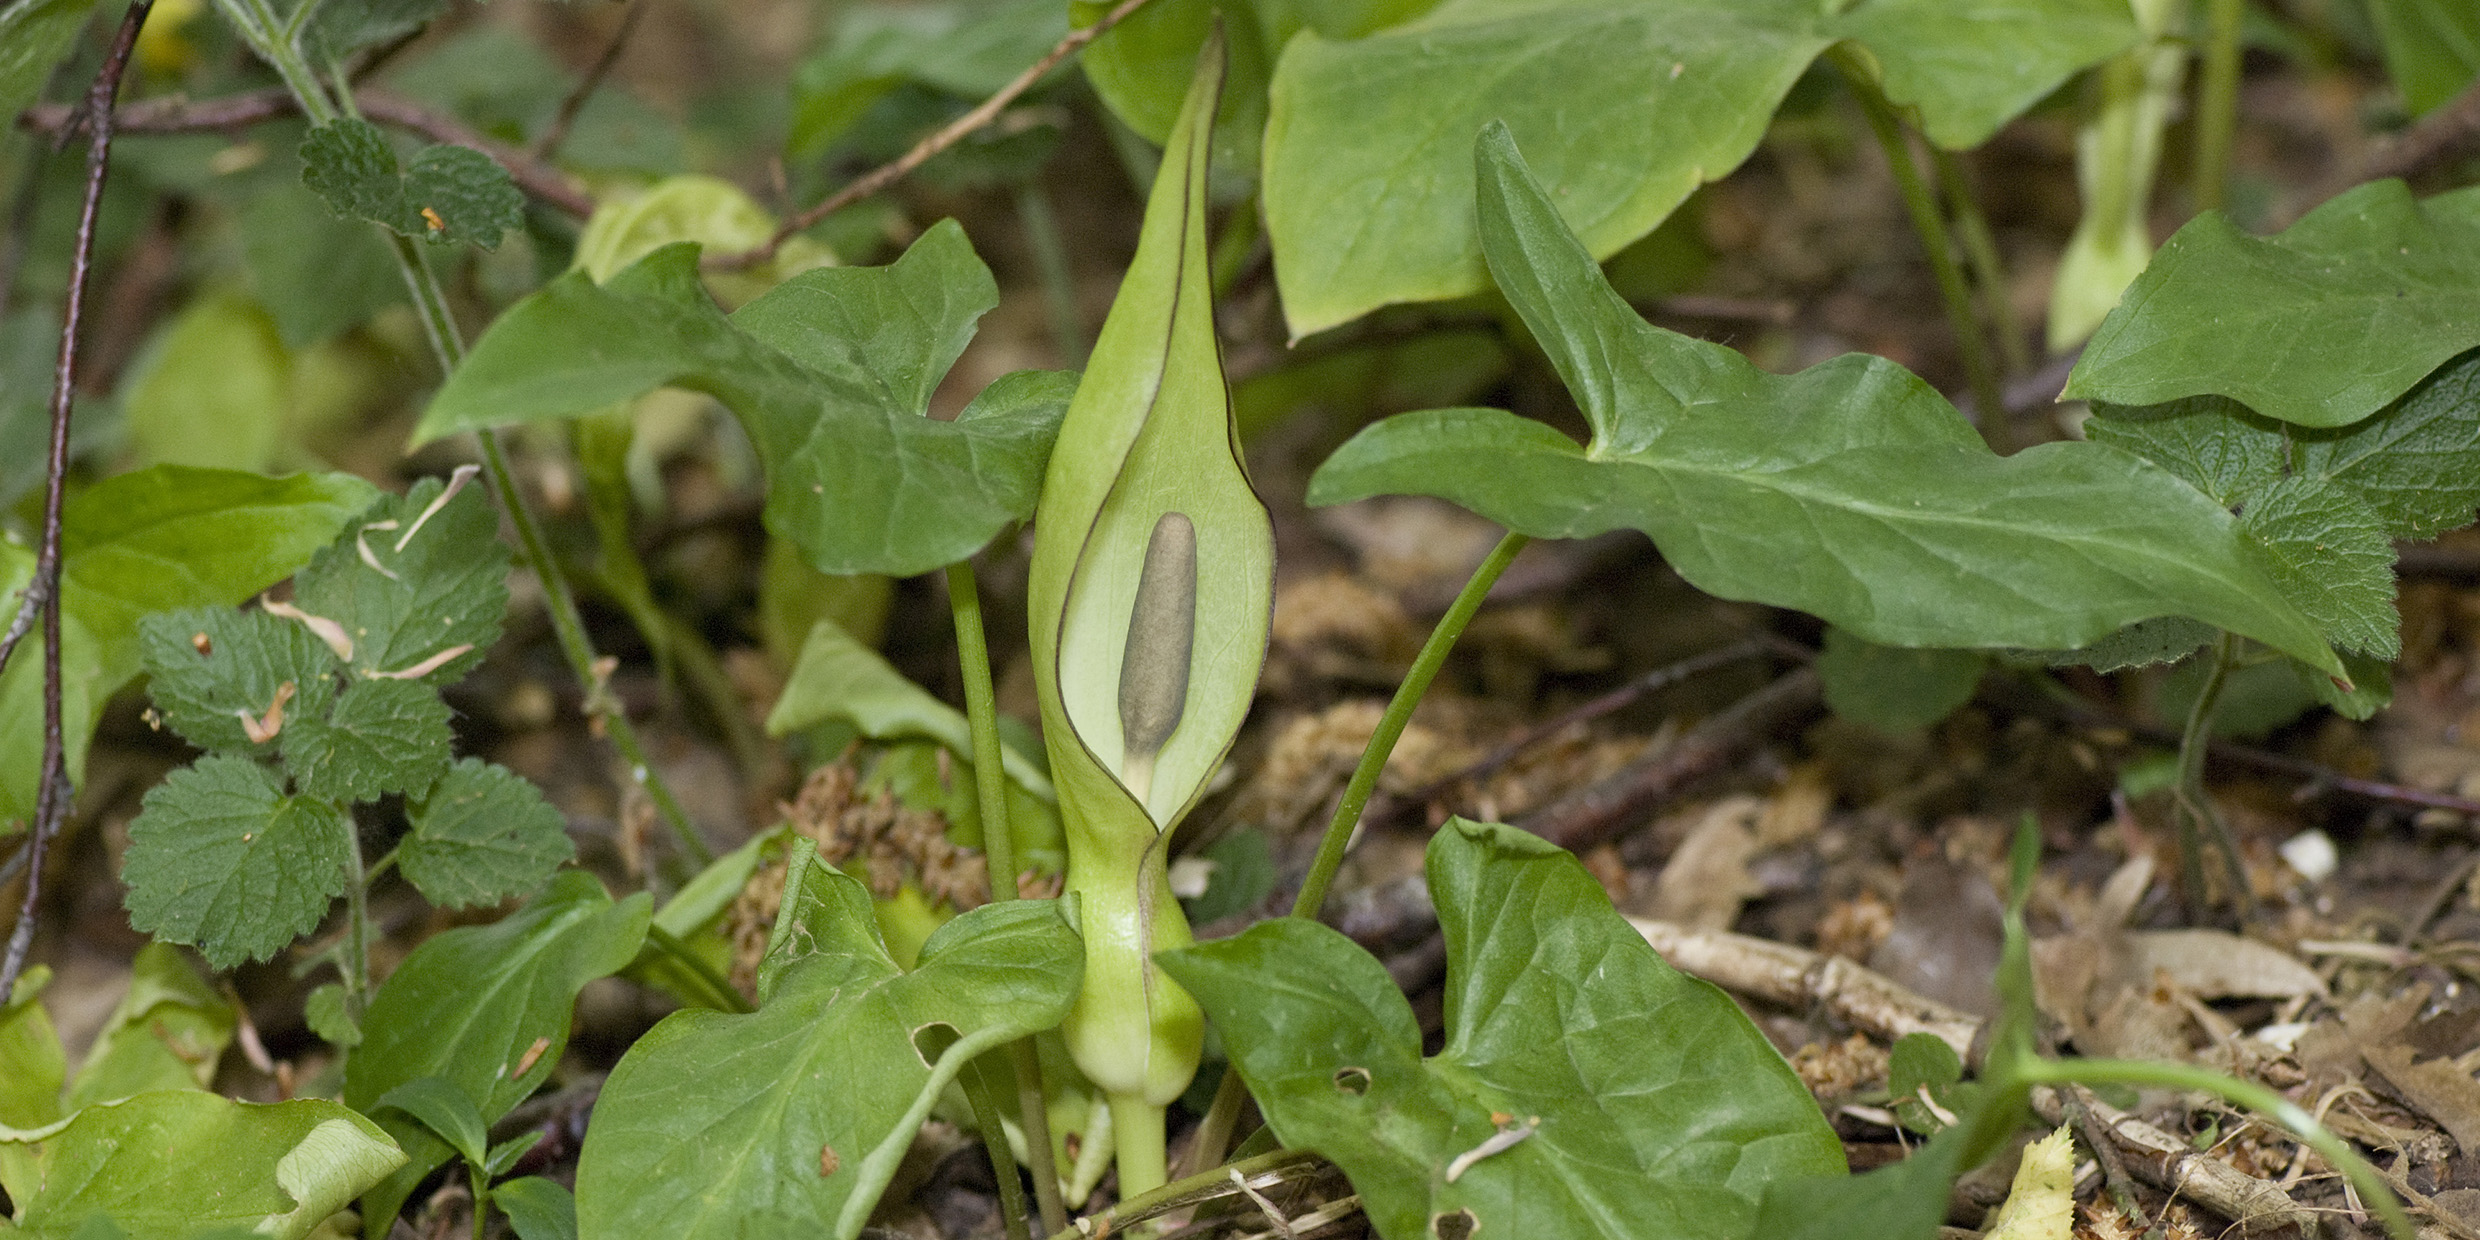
{"points": [[52, 798], [923, 151], [168, 116], [557, 131]]}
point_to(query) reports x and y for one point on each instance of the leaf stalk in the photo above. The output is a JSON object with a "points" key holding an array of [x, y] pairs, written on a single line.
{"points": [[1922, 207], [981, 704]]}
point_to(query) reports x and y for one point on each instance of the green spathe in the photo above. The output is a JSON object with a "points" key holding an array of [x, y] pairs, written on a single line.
{"points": [[1147, 448]]}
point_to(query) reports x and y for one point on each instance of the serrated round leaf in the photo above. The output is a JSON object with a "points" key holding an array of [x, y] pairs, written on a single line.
{"points": [[481, 835], [1850, 490], [221, 859], [207, 667], [444, 587], [461, 195], [790, 1119], [380, 736], [1660, 1111], [2319, 325], [156, 539]]}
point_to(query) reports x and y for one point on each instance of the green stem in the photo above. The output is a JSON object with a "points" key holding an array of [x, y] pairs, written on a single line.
{"points": [[1050, 259], [1224, 1115], [2217, 103], [981, 705], [1391, 725], [1922, 207], [984, 1099], [722, 996], [481, 1182], [1981, 247], [1192, 1190], [354, 961], [1137, 1130], [2248, 1094], [2195, 814], [257, 25]]}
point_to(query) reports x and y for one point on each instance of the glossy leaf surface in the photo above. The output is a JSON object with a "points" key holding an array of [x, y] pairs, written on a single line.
{"points": [[1626, 108], [167, 1165], [487, 1008], [1662, 1112], [860, 481], [2320, 325], [789, 1120], [1850, 490], [154, 540]]}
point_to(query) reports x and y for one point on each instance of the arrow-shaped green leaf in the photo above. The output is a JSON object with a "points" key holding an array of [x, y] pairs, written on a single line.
{"points": [[831, 373], [1850, 490], [789, 1120]]}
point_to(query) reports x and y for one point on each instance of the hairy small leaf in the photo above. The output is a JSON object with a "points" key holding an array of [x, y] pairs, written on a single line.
{"points": [[448, 193], [481, 835], [157, 539], [410, 584], [221, 859], [380, 736], [210, 667]]}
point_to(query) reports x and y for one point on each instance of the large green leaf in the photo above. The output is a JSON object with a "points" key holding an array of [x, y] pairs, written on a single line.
{"points": [[153, 540], [487, 1008], [830, 373], [168, 1165], [1659, 1111], [1626, 106], [2321, 325], [1850, 490], [789, 1120]]}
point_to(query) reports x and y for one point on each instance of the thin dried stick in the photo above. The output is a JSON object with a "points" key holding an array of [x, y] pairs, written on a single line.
{"points": [[170, 116], [52, 799], [923, 151], [557, 132]]}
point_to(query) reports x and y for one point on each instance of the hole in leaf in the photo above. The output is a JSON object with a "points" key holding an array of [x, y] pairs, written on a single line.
{"points": [[1457, 1226], [932, 1040], [1353, 1081]]}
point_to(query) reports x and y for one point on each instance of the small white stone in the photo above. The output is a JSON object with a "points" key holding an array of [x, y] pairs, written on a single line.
{"points": [[2312, 854], [1190, 876]]}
